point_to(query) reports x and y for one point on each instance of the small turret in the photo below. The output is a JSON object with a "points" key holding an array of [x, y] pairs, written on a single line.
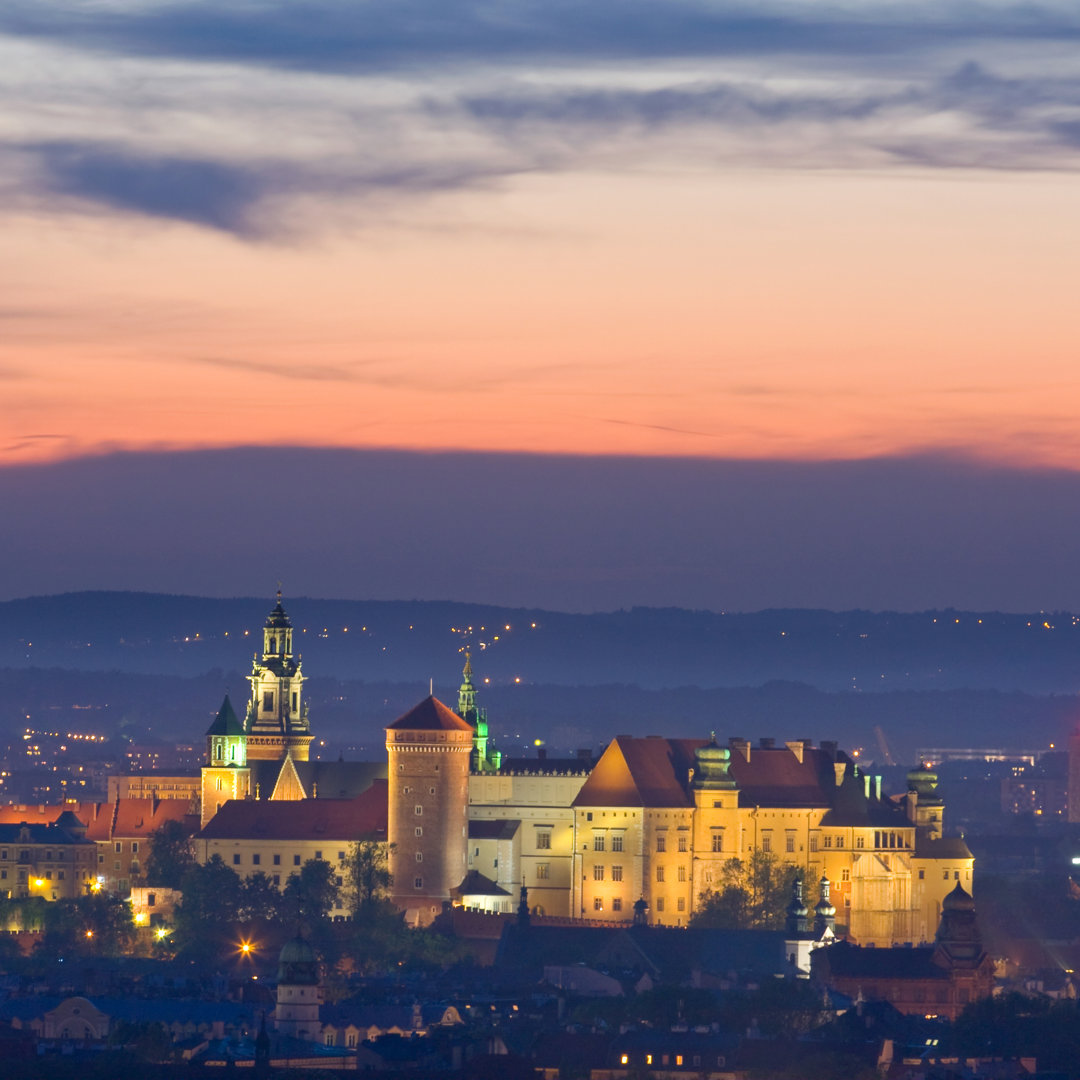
{"points": [[798, 917], [711, 767], [824, 912]]}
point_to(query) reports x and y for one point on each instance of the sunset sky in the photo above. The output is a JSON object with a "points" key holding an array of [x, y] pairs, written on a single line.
{"points": [[800, 232]]}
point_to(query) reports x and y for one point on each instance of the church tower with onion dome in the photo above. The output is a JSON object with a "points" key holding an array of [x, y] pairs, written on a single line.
{"points": [[277, 717], [428, 752]]}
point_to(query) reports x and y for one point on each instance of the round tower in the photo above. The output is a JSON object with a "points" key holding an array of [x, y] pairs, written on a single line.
{"points": [[428, 752], [298, 996]]}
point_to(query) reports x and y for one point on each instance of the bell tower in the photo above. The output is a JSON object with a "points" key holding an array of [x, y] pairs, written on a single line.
{"points": [[225, 775], [485, 758], [277, 720]]}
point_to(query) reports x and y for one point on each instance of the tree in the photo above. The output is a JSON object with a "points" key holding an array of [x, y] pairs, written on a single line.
{"points": [[750, 895], [367, 876], [170, 855], [260, 899], [310, 895], [209, 910]]}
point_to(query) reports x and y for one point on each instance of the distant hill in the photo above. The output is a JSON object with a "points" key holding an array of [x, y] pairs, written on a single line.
{"points": [[154, 667], [412, 641]]}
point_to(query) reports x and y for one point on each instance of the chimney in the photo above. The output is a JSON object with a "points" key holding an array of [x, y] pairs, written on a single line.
{"points": [[766, 743], [839, 767], [741, 745], [866, 784], [829, 746], [877, 788], [796, 747]]}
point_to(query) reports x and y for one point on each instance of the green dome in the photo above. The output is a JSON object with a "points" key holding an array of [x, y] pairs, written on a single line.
{"points": [[297, 964]]}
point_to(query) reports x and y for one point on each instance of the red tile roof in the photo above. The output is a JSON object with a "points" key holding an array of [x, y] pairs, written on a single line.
{"points": [[655, 772], [305, 819], [140, 817], [430, 715]]}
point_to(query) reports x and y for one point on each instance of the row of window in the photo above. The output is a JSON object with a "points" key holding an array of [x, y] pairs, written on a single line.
{"points": [[599, 841], [598, 873], [24, 856], [256, 858]]}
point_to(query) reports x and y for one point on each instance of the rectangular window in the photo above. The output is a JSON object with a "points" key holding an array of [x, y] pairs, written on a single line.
{"points": [[597, 903], [718, 841], [318, 854], [828, 841], [661, 843], [680, 904], [845, 875], [418, 883], [59, 875], [419, 830], [616, 904], [118, 847], [598, 873], [341, 856], [277, 860], [659, 903], [616, 873], [235, 860], [543, 871], [813, 843], [296, 860], [268, 701], [682, 843], [598, 841], [682, 873], [659, 873], [616, 842], [543, 841], [860, 841], [766, 842], [294, 701], [256, 859], [134, 847], [956, 875], [419, 856], [839, 841], [922, 875], [277, 880], [789, 843], [418, 810]]}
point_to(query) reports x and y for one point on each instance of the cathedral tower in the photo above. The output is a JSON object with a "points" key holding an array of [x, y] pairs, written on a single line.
{"points": [[277, 722], [428, 752], [485, 758], [225, 775]]}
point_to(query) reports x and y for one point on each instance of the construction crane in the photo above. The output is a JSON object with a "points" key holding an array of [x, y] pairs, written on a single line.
{"points": [[886, 753]]}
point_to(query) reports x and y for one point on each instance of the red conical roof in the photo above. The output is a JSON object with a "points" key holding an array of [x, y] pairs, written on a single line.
{"points": [[430, 715]]}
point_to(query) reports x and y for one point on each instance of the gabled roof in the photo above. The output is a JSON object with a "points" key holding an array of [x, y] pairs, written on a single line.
{"points": [[226, 722], [327, 820], [637, 772], [475, 884], [493, 828], [945, 847], [140, 817], [430, 715]]}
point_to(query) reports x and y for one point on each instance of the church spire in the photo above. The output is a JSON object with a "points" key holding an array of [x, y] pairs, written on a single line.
{"points": [[467, 692]]}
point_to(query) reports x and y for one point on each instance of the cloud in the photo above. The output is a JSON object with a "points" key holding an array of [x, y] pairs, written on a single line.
{"points": [[305, 372], [345, 37], [226, 195]]}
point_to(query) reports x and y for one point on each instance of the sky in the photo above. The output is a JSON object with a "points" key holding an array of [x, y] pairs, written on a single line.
{"points": [[789, 235]]}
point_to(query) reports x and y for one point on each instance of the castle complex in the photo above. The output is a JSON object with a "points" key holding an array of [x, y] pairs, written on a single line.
{"points": [[650, 828]]}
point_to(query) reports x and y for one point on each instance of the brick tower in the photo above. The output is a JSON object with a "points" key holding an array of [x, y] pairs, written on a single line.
{"points": [[428, 752]]}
